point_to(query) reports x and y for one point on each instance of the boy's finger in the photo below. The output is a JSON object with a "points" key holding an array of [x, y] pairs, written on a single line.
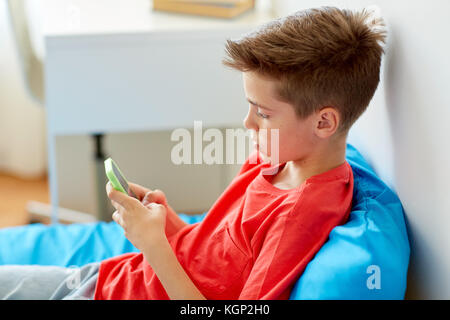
{"points": [[138, 190], [117, 218], [115, 204], [154, 196], [155, 206], [121, 198]]}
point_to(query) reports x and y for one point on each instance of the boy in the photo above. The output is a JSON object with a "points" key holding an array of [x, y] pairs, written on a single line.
{"points": [[308, 76]]}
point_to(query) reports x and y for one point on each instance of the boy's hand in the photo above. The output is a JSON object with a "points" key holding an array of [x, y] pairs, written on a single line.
{"points": [[147, 196], [144, 224]]}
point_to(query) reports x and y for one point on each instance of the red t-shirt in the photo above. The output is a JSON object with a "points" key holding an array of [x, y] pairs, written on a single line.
{"points": [[254, 242]]}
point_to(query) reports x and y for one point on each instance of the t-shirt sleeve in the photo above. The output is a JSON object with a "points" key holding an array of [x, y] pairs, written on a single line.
{"points": [[289, 244]]}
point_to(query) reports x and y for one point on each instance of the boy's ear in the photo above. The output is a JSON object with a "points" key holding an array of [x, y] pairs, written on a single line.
{"points": [[327, 123]]}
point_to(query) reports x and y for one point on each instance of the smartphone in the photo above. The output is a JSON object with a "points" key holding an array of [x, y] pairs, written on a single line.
{"points": [[117, 179]]}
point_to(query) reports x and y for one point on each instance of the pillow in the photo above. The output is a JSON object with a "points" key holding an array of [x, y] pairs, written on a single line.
{"points": [[366, 258]]}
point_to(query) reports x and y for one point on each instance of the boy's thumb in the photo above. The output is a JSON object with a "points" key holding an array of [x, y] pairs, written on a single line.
{"points": [[156, 196], [119, 197]]}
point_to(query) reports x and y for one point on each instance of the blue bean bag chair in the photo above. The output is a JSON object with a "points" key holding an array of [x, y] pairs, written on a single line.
{"points": [[366, 258]]}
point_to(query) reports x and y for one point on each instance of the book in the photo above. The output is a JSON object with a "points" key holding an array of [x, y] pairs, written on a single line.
{"points": [[212, 8]]}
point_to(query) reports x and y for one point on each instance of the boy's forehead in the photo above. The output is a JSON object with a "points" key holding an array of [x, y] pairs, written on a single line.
{"points": [[259, 90], [257, 78], [254, 84]]}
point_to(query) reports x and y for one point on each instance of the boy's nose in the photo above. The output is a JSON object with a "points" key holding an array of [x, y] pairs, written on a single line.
{"points": [[249, 123]]}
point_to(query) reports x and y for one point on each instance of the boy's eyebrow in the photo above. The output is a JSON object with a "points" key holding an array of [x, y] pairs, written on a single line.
{"points": [[257, 104]]}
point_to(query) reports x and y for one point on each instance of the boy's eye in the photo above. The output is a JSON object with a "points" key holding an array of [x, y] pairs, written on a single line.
{"points": [[262, 115]]}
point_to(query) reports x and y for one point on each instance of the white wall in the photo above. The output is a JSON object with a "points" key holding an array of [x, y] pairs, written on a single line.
{"points": [[405, 133], [22, 120], [23, 149]]}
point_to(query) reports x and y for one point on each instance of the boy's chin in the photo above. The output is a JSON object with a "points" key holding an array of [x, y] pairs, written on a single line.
{"points": [[265, 158], [273, 168]]}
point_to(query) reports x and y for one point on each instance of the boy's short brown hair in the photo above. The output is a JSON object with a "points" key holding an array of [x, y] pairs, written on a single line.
{"points": [[321, 57]]}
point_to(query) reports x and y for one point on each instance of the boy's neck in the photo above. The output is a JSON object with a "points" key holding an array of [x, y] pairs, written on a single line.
{"points": [[324, 158]]}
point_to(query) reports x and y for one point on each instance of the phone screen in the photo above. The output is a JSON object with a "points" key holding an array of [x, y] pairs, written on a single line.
{"points": [[122, 181]]}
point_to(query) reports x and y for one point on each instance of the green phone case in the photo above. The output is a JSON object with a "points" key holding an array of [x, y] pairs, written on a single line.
{"points": [[115, 180]]}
